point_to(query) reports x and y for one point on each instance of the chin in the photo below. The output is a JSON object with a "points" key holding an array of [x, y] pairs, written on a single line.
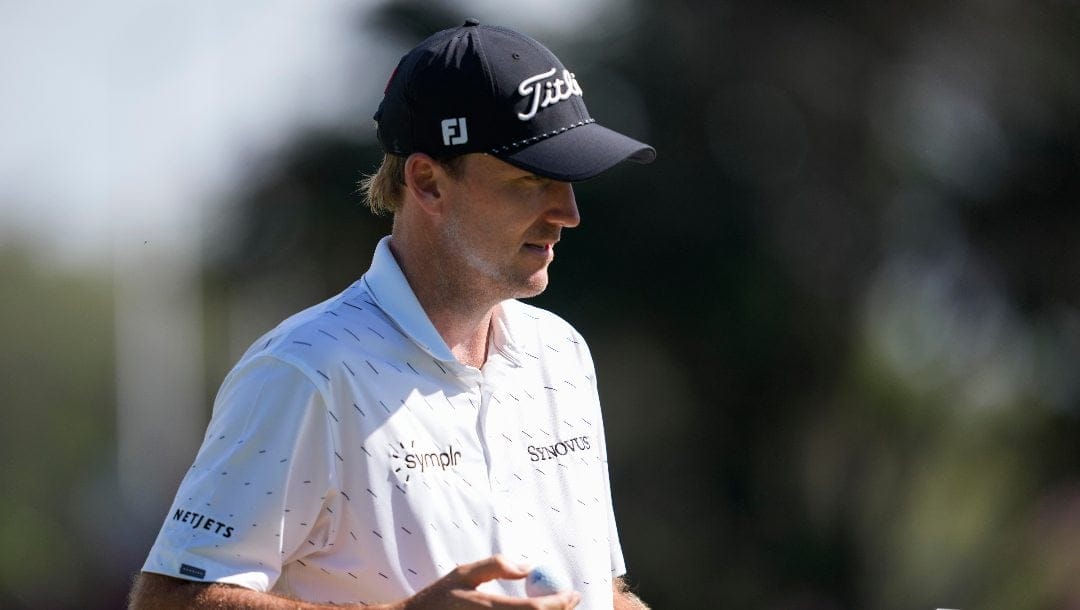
{"points": [[531, 287]]}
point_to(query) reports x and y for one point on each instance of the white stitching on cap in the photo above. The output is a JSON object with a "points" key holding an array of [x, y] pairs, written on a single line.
{"points": [[535, 139]]}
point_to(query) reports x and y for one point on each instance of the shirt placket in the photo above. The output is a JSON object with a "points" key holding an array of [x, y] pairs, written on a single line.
{"points": [[500, 411]]}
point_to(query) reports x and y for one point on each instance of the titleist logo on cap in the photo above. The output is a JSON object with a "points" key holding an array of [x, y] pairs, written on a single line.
{"points": [[553, 91]]}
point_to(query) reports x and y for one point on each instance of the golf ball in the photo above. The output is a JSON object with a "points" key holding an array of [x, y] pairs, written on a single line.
{"points": [[543, 580]]}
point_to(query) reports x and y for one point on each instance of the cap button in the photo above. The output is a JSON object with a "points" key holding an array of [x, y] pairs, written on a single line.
{"points": [[472, 21]]}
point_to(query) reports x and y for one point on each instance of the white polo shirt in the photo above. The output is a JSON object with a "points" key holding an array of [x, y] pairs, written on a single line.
{"points": [[351, 458]]}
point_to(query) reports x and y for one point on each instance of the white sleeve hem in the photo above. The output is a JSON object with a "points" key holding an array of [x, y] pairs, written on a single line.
{"points": [[194, 568]]}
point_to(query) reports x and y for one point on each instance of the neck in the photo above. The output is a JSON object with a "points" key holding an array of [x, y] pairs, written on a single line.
{"points": [[461, 317]]}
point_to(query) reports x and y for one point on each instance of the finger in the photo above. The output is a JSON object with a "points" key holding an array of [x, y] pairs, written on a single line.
{"points": [[472, 574], [558, 601], [570, 600]]}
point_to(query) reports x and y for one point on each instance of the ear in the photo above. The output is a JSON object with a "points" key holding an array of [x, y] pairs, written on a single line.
{"points": [[424, 182]]}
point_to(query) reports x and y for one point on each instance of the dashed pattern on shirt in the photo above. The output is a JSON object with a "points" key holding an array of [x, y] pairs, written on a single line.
{"points": [[405, 465]]}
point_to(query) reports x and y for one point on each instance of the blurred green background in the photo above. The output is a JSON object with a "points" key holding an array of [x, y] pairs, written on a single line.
{"points": [[836, 323]]}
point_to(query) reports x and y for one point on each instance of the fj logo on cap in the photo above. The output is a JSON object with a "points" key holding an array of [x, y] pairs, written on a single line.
{"points": [[454, 131], [547, 92]]}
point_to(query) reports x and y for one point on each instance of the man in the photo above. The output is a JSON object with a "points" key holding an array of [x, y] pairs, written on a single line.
{"points": [[420, 439]]}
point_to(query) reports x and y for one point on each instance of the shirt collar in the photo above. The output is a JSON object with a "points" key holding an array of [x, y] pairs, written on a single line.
{"points": [[390, 290], [502, 331]]}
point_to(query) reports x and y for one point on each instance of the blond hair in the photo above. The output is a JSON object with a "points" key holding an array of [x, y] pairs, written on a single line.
{"points": [[384, 191]]}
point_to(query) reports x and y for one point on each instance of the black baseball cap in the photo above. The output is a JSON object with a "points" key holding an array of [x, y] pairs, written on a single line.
{"points": [[481, 88]]}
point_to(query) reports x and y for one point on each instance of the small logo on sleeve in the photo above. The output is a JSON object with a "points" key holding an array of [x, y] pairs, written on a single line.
{"points": [[192, 571], [197, 521]]}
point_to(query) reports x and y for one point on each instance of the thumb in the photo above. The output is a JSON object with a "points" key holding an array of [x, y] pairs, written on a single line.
{"points": [[472, 574]]}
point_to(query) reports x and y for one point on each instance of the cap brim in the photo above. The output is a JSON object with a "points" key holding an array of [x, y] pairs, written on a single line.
{"points": [[580, 153]]}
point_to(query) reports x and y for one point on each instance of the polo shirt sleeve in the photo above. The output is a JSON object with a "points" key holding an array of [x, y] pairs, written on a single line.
{"points": [[256, 496]]}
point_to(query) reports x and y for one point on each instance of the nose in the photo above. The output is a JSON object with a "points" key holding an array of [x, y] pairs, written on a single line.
{"points": [[563, 208]]}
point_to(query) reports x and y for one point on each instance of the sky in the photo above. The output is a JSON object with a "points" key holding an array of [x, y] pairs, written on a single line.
{"points": [[122, 113], [127, 121]]}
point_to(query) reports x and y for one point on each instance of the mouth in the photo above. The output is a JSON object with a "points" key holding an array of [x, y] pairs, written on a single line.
{"points": [[540, 248]]}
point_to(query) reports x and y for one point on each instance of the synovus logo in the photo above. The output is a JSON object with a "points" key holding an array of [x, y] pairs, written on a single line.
{"points": [[540, 453]]}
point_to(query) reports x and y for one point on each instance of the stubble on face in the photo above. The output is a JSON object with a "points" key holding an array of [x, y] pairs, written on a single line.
{"points": [[484, 275]]}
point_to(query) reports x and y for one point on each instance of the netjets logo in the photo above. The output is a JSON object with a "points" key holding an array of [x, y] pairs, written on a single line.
{"points": [[406, 458], [555, 450]]}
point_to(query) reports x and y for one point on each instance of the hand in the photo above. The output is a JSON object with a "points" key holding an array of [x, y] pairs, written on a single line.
{"points": [[458, 590]]}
